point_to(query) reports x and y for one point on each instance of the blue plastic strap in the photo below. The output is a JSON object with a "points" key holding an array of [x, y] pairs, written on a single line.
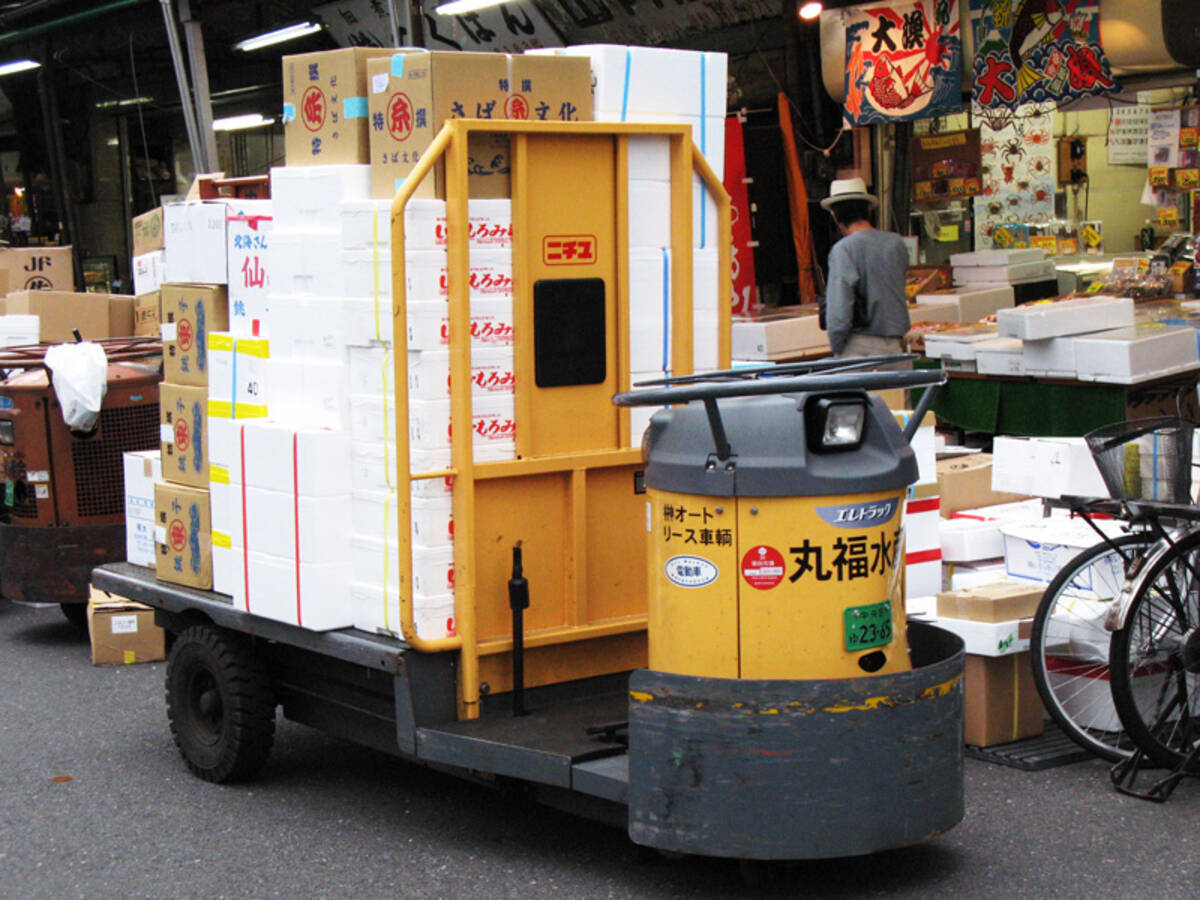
{"points": [[625, 90], [354, 108], [703, 148], [1154, 458], [398, 65], [666, 310], [289, 113]]}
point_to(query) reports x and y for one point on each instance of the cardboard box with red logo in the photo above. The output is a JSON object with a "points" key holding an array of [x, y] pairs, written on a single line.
{"points": [[38, 268], [183, 433], [190, 313], [413, 92], [325, 106], [183, 535]]}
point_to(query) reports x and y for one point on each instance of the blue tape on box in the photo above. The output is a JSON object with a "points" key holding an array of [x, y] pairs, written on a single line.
{"points": [[354, 108], [398, 65], [289, 113]]}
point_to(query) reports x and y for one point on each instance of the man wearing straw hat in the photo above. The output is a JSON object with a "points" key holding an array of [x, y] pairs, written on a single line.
{"points": [[866, 312]]}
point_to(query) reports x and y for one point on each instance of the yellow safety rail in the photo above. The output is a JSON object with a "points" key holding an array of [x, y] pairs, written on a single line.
{"points": [[451, 145]]}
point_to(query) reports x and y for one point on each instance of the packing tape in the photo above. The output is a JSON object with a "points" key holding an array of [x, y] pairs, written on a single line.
{"points": [[289, 113], [354, 108], [217, 475], [128, 657], [398, 65], [224, 541], [625, 89]]}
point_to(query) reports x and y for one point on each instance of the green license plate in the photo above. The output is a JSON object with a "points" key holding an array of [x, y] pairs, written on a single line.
{"points": [[868, 626]]}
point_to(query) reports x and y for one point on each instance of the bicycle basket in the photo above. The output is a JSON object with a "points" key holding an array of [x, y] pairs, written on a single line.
{"points": [[1145, 459]]}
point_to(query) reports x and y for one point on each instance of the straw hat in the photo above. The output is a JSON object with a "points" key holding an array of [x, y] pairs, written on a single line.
{"points": [[848, 189]]}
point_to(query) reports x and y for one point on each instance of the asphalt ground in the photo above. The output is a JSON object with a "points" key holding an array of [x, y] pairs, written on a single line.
{"points": [[95, 802]]}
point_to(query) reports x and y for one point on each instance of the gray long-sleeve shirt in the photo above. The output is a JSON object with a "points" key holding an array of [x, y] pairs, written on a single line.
{"points": [[874, 262]]}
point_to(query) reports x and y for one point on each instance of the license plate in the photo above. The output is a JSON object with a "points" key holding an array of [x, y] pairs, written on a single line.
{"points": [[868, 626]]}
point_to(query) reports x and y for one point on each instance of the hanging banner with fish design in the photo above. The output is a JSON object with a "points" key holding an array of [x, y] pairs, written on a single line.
{"points": [[1037, 51], [903, 61]]}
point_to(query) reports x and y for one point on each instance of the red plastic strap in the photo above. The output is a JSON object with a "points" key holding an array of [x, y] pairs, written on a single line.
{"points": [[925, 504], [245, 530], [922, 556]]}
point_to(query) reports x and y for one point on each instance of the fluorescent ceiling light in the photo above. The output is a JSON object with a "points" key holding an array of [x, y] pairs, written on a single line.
{"points": [[279, 35], [128, 101], [234, 123], [458, 7], [18, 65], [811, 9]]}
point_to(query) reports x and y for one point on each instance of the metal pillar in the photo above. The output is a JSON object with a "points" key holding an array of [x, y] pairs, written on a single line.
{"points": [[185, 91], [201, 98]]}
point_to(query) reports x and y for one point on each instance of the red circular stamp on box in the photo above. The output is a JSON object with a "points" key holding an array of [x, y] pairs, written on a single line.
{"points": [[313, 108], [763, 567], [183, 435], [177, 535], [184, 335], [400, 116]]}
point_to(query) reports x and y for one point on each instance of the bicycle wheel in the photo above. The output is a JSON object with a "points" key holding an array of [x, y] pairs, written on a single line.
{"points": [[1069, 644], [1155, 657]]}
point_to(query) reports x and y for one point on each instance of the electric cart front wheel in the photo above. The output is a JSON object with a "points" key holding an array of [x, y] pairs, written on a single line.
{"points": [[220, 705], [1155, 658], [1069, 644]]}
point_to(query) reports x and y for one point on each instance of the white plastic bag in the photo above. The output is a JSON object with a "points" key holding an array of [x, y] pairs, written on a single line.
{"points": [[80, 378]]}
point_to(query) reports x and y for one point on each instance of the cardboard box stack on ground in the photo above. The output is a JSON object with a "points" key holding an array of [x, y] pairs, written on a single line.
{"points": [[657, 84], [148, 257], [61, 313], [122, 631], [142, 470], [38, 268], [1001, 700]]}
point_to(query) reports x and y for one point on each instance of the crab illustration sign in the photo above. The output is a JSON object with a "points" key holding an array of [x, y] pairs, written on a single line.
{"points": [[1037, 51], [903, 61]]}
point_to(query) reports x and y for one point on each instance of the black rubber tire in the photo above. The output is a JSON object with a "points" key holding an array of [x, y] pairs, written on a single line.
{"points": [[1167, 747], [220, 704], [1117, 747], [76, 614]]}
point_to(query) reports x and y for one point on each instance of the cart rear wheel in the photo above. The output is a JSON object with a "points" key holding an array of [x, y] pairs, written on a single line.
{"points": [[220, 705]]}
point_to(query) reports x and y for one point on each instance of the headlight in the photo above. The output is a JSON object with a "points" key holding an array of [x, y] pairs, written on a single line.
{"points": [[6, 432], [835, 423]]}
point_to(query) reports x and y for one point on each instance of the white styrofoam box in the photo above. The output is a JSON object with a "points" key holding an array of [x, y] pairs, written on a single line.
{"points": [[989, 571], [142, 469], [433, 617], [317, 600], [428, 324], [996, 257], [649, 309], [432, 521], [433, 572], [365, 273], [1052, 357], [1046, 320], [1001, 356], [372, 418], [17, 329], [968, 540], [378, 611], [372, 370], [705, 347], [273, 451], [422, 461], [228, 571], [1048, 467], [493, 425], [365, 224], [955, 346], [989, 638], [427, 278], [367, 320], [704, 216], [1130, 355], [376, 561], [649, 158], [247, 236], [1037, 551], [304, 263], [225, 502], [194, 240], [923, 609], [653, 79], [492, 372], [307, 328], [149, 272], [280, 523], [310, 392], [237, 374], [489, 224], [649, 214], [708, 136], [923, 578], [1016, 511], [374, 469], [705, 280], [924, 446], [975, 303], [311, 196], [922, 518], [1004, 274]]}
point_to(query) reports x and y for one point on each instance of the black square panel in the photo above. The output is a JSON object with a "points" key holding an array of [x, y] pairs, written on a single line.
{"points": [[569, 332]]}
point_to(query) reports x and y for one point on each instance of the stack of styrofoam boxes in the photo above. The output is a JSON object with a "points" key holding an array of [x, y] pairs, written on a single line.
{"points": [[17, 330], [922, 550], [657, 84], [994, 267]]}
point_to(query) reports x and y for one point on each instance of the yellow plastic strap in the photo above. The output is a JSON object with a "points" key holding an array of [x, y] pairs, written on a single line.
{"points": [[218, 475], [221, 341], [224, 541], [387, 418], [223, 409], [375, 265]]}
